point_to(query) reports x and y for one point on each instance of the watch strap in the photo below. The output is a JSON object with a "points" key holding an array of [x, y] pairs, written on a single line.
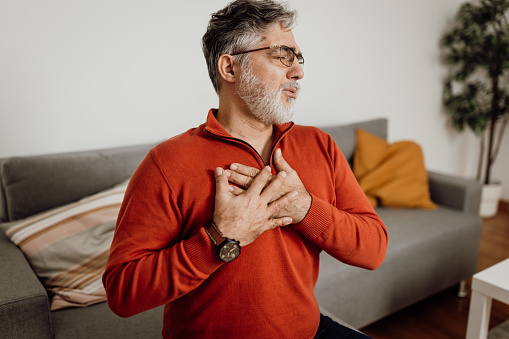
{"points": [[214, 234]]}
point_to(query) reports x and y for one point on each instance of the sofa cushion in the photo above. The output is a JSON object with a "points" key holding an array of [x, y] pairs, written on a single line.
{"points": [[68, 247], [101, 322], [391, 175]]}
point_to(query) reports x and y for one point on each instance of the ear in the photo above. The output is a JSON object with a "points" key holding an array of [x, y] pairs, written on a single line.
{"points": [[226, 68]]}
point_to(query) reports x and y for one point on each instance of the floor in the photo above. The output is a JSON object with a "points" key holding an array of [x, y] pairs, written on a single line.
{"points": [[445, 315]]}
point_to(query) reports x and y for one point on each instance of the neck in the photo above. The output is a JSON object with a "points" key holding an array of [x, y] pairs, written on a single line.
{"points": [[244, 126]]}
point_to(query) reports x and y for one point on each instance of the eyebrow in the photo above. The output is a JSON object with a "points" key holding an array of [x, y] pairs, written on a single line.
{"points": [[298, 55], [294, 50]]}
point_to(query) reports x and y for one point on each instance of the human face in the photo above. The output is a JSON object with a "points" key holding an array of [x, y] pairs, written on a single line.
{"points": [[268, 84]]}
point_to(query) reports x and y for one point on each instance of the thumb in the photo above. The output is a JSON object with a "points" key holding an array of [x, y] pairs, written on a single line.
{"points": [[280, 162], [222, 186]]}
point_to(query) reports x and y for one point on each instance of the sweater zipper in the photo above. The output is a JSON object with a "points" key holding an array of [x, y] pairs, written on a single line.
{"points": [[277, 141], [248, 145]]}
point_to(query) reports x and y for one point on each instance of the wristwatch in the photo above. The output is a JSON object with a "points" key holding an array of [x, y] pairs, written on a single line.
{"points": [[227, 249]]}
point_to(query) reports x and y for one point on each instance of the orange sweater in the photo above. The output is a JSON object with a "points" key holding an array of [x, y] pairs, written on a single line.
{"points": [[161, 254]]}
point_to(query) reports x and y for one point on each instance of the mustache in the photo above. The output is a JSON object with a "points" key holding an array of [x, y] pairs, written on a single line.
{"points": [[295, 85]]}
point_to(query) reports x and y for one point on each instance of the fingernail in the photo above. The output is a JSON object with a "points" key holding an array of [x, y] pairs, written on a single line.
{"points": [[278, 151], [227, 173], [233, 167], [269, 169], [283, 174], [294, 194], [288, 221], [218, 171], [230, 188]]}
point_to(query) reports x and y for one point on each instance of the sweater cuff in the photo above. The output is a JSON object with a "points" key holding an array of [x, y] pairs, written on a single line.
{"points": [[317, 220], [202, 253]]}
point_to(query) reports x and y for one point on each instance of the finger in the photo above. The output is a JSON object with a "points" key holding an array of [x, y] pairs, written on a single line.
{"points": [[279, 204], [280, 162], [235, 190], [272, 190], [280, 222], [260, 181], [245, 170], [222, 186], [239, 179]]}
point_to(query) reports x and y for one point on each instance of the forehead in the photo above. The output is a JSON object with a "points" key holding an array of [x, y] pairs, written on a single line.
{"points": [[279, 35]]}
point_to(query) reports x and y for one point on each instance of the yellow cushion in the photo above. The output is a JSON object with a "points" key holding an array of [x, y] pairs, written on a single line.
{"points": [[391, 175]]}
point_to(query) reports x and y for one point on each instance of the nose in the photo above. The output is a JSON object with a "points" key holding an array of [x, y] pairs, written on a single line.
{"points": [[296, 72]]}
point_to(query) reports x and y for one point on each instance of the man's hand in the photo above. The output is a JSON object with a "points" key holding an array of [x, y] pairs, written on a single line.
{"points": [[245, 216], [244, 176]]}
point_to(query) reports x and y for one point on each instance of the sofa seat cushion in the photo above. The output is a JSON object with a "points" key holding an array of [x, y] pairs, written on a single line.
{"points": [[428, 250], [101, 322], [410, 227]]}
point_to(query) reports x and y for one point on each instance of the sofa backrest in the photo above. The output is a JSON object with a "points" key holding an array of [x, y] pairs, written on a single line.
{"points": [[33, 184], [345, 135]]}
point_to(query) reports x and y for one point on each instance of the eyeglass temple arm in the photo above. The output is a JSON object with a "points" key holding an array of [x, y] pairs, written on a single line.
{"points": [[253, 50]]}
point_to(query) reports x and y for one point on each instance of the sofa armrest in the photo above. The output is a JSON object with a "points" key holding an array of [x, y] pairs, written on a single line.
{"points": [[24, 304], [455, 192]]}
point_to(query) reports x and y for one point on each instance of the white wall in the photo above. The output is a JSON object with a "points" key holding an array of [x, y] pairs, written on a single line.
{"points": [[78, 75]]}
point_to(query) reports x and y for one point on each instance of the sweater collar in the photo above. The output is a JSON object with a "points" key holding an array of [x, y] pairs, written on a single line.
{"points": [[214, 127]]}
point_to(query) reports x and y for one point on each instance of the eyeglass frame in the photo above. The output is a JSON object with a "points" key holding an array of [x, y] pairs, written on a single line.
{"points": [[299, 56]]}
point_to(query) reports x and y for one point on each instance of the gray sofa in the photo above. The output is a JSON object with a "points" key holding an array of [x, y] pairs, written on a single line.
{"points": [[428, 250]]}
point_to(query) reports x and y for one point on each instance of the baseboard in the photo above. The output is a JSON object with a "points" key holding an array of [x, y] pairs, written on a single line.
{"points": [[503, 205]]}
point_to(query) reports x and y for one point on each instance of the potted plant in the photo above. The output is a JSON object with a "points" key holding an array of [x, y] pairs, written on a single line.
{"points": [[476, 92]]}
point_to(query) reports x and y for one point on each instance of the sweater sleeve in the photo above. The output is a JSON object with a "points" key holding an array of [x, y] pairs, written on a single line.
{"points": [[149, 263], [349, 229]]}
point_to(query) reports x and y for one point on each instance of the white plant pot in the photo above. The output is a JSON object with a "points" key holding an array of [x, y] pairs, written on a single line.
{"points": [[489, 200]]}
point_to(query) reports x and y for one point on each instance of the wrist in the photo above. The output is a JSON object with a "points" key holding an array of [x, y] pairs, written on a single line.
{"points": [[304, 207], [227, 249]]}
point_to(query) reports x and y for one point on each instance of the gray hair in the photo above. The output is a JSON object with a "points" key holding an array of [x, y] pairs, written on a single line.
{"points": [[240, 26]]}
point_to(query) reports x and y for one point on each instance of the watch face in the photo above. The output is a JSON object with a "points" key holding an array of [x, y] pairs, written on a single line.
{"points": [[229, 251]]}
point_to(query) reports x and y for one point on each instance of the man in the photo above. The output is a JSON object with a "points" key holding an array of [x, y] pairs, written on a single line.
{"points": [[224, 223]]}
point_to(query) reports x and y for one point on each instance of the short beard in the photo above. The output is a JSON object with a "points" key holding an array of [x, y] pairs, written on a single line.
{"points": [[264, 103]]}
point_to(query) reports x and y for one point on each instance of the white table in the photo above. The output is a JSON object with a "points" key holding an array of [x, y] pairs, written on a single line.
{"points": [[492, 283]]}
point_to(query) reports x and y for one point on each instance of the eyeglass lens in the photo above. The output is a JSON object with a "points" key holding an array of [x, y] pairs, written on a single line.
{"points": [[288, 55]]}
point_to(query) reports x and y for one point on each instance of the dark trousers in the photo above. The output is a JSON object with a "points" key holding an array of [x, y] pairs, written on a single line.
{"points": [[329, 329]]}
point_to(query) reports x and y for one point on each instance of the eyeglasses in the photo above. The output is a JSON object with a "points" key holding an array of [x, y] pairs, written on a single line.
{"points": [[286, 54]]}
